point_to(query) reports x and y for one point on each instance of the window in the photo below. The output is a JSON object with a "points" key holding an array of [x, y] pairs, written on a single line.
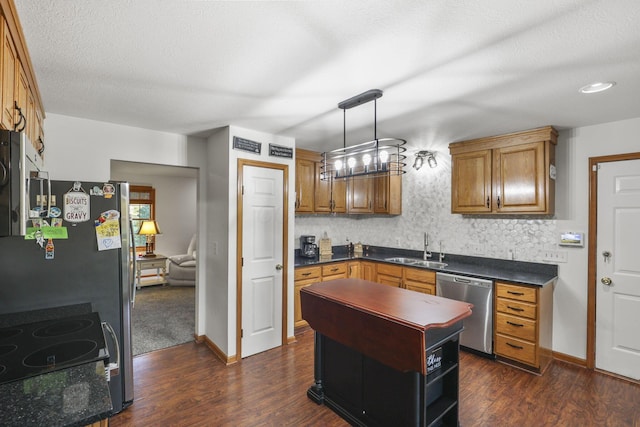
{"points": [[141, 207]]}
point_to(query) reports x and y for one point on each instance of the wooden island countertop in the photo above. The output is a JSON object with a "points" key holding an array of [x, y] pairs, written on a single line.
{"points": [[385, 323]]}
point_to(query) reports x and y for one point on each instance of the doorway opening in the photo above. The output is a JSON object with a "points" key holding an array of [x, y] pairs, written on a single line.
{"points": [[164, 315]]}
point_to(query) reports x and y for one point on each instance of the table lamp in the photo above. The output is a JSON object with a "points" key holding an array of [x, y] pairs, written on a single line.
{"points": [[149, 228]]}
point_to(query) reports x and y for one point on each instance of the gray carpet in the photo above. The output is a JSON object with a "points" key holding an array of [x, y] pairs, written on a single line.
{"points": [[163, 316]]}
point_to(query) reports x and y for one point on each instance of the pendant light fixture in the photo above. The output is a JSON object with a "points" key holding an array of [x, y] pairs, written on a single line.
{"points": [[378, 156]]}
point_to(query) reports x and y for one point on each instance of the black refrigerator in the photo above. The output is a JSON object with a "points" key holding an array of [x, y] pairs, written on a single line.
{"points": [[78, 273]]}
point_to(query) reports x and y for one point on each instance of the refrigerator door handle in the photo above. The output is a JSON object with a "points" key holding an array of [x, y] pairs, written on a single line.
{"points": [[113, 368], [134, 262]]}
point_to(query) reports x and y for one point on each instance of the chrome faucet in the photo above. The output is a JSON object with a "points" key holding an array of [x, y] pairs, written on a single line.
{"points": [[427, 253], [441, 253]]}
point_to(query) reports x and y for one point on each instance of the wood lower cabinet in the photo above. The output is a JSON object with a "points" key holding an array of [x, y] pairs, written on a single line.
{"points": [[389, 274], [354, 270], [523, 325], [368, 270], [419, 280], [505, 174], [335, 270], [303, 276]]}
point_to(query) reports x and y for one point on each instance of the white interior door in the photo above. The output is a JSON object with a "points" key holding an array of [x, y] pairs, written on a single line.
{"points": [[262, 274], [618, 269]]}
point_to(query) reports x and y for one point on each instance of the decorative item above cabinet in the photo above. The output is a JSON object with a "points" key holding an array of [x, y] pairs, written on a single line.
{"points": [[505, 174]]}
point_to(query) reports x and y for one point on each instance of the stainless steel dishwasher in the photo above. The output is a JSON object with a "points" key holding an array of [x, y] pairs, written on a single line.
{"points": [[478, 328]]}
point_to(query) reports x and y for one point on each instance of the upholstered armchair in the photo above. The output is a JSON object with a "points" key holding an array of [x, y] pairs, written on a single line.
{"points": [[182, 268]]}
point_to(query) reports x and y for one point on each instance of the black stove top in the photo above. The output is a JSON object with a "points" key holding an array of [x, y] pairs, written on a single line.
{"points": [[42, 347]]}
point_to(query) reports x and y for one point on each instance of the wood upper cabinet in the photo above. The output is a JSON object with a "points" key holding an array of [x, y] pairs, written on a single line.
{"points": [[305, 180], [21, 91], [360, 195], [506, 174], [387, 198], [330, 194], [9, 61], [363, 195]]}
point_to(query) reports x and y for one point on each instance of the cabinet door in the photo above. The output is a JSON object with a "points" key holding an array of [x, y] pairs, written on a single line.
{"points": [[297, 310], [387, 197], [389, 275], [353, 271], [9, 60], [471, 182], [419, 280], [305, 177], [368, 271], [360, 195], [330, 195], [322, 200], [20, 93], [519, 178], [339, 195]]}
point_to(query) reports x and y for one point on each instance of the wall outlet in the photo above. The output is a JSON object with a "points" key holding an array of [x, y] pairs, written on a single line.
{"points": [[555, 256]]}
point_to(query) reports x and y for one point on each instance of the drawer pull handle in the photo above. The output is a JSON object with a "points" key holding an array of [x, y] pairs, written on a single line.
{"points": [[515, 308], [519, 347], [306, 274], [515, 293], [515, 324], [334, 269]]}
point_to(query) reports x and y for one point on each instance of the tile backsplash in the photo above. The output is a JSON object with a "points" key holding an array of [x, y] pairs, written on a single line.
{"points": [[426, 207]]}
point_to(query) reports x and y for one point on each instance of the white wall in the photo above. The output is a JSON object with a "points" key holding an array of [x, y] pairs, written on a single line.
{"points": [[427, 207], [81, 149], [222, 219], [175, 208]]}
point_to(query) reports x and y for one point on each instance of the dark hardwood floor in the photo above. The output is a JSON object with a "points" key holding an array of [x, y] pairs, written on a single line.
{"points": [[188, 386]]}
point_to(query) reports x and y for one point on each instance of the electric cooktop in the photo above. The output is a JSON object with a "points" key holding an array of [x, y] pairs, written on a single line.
{"points": [[41, 347]]}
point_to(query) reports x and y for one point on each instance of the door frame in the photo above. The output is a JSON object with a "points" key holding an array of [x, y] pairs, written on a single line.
{"points": [[592, 286], [285, 246]]}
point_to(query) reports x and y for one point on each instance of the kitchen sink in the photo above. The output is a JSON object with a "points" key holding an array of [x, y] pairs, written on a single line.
{"points": [[402, 260], [430, 264]]}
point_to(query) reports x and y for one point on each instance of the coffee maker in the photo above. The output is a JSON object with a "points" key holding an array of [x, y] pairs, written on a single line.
{"points": [[308, 247]]}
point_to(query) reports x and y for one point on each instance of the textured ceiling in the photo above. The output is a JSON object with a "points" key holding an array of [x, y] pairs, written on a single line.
{"points": [[449, 69]]}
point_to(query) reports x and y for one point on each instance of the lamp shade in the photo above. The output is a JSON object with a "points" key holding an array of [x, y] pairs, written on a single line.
{"points": [[149, 227]]}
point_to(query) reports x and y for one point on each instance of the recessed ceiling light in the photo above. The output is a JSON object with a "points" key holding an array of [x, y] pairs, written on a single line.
{"points": [[597, 87]]}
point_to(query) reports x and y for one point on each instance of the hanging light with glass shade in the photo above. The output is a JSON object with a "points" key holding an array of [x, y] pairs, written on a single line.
{"points": [[378, 156]]}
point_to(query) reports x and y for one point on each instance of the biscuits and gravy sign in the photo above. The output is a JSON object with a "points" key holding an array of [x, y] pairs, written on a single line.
{"points": [[77, 206]]}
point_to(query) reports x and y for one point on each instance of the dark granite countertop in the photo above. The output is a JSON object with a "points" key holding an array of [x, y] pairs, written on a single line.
{"points": [[75, 396], [71, 397], [528, 273]]}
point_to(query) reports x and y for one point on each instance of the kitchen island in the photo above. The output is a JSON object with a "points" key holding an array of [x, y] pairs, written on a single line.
{"points": [[384, 355]]}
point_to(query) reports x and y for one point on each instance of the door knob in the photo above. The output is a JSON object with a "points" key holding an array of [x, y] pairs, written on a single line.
{"points": [[606, 281], [279, 267]]}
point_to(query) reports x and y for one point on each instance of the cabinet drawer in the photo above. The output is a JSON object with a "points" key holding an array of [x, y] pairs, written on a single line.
{"points": [[516, 349], [389, 270], [520, 293], [307, 273], [334, 269], [420, 287], [516, 308], [516, 326], [419, 275]]}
